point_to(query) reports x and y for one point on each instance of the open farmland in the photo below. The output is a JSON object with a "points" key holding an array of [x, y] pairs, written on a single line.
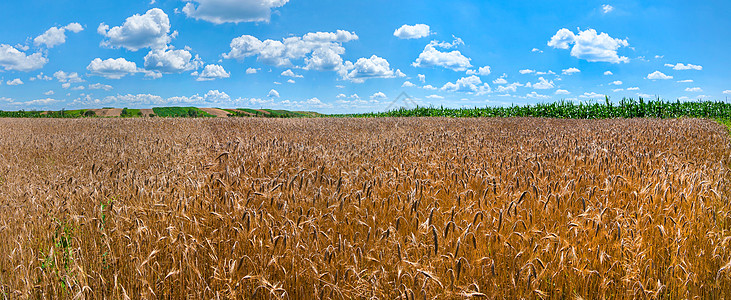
{"points": [[359, 208]]}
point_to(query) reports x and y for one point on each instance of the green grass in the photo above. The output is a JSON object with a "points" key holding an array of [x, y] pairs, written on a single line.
{"points": [[180, 112]]}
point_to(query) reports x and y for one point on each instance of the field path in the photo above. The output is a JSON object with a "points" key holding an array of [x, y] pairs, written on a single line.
{"points": [[108, 112], [219, 113]]}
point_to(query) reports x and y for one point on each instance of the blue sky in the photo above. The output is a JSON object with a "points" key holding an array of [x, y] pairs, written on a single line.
{"points": [[355, 56]]}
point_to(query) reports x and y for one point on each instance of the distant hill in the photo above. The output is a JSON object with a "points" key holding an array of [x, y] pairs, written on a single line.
{"points": [[167, 112]]}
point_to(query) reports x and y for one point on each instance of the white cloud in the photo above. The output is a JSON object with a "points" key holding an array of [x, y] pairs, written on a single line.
{"points": [[379, 96], [66, 85], [471, 84], [232, 11], [592, 95], [658, 75], [365, 68], [510, 88], [680, 66], [431, 57], [15, 81], [150, 30], [167, 60], [72, 77], [212, 72], [320, 50], [536, 96], [686, 81], [542, 84], [483, 71], [562, 92], [434, 97], [412, 31], [633, 88], [570, 71], [429, 87], [617, 90], [501, 79], [14, 59], [526, 71], [616, 82], [590, 46], [606, 8], [608, 73], [78, 88], [99, 86], [536, 50], [51, 92], [41, 76], [112, 68], [645, 95], [727, 92], [290, 81], [422, 78], [693, 89], [273, 94], [408, 84], [252, 71], [290, 73], [55, 36]]}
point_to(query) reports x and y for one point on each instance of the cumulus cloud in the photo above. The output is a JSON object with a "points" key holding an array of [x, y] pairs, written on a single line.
{"points": [[432, 57], [422, 78], [379, 96], [49, 93], [680, 66], [562, 92], [686, 81], [484, 71], [542, 84], [570, 71], [64, 77], [99, 86], [592, 95], [434, 97], [536, 96], [15, 81], [412, 31], [608, 73], [616, 82], [589, 45], [633, 88], [112, 68], [408, 84], [365, 68], [320, 50], [727, 92], [501, 79], [510, 88], [606, 8], [167, 60], [290, 73], [232, 11], [526, 71], [16, 60], [151, 30], [471, 84], [658, 75], [55, 36], [693, 89], [273, 94], [212, 72], [536, 50], [429, 87], [252, 71]]}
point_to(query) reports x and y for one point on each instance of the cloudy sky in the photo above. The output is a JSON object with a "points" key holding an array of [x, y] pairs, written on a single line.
{"points": [[355, 56]]}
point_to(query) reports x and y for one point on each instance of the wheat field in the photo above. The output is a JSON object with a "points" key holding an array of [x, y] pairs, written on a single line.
{"points": [[384, 208]]}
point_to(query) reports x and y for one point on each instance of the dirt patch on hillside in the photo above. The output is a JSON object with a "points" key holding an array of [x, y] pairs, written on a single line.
{"points": [[219, 113], [108, 112], [147, 112]]}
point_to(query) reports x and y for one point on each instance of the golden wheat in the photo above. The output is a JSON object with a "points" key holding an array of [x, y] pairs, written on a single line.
{"points": [[364, 208]]}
